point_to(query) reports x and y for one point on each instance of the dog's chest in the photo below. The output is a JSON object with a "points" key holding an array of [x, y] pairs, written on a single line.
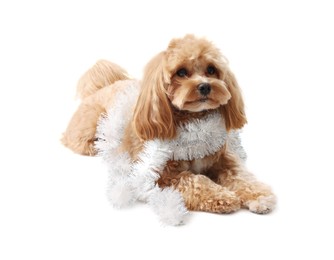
{"points": [[200, 165], [197, 166]]}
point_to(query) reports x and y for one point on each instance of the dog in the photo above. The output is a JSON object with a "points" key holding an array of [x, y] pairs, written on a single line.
{"points": [[190, 80]]}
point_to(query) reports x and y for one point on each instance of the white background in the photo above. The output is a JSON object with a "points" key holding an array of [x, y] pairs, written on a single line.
{"points": [[53, 203]]}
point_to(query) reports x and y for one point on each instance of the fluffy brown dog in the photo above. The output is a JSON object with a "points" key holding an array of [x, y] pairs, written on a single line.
{"points": [[191, 79]]}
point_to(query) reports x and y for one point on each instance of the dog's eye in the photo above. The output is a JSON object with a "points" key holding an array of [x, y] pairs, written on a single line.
{"points": [[182, 72], [211, 70]]}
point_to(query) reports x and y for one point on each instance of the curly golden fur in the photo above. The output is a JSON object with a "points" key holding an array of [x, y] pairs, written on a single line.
{"points": [[190, 79]]}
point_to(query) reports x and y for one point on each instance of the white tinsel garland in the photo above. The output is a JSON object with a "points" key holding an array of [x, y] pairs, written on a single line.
{"points": [[130, 181]]}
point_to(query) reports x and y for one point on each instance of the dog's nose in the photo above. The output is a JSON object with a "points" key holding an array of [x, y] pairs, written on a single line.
{"points": [[204, 88]]}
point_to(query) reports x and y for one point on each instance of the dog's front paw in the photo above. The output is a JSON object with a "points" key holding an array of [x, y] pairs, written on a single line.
{"points": [[263, 204], [223, 202]]}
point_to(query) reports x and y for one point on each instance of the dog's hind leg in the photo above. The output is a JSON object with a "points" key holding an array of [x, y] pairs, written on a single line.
{"points": [[80, 133]]}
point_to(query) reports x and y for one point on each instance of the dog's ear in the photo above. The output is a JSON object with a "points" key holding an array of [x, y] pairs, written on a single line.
{"points": [[153, 115], [234, 111]]}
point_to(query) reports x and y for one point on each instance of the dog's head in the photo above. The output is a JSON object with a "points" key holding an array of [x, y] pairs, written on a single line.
{"points": [[191, 75]]}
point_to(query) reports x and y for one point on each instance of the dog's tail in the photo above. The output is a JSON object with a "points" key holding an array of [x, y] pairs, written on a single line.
{"points": [[102, 74]]}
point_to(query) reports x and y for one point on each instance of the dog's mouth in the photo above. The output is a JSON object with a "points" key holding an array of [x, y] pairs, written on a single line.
{"points": [[201, 100], [200, 104], [204, 99]]}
